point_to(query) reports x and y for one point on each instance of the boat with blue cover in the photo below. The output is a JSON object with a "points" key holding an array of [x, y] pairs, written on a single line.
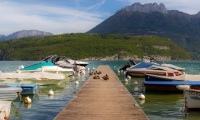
{"points": [[169, 83], [26, 88], [142, 68]]}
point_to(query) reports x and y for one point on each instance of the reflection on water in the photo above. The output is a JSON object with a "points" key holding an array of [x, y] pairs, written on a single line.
{"points": [[156, 105], [46, 107]]}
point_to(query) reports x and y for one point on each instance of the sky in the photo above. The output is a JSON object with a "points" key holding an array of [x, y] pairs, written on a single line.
{"points": [[71, 16]]}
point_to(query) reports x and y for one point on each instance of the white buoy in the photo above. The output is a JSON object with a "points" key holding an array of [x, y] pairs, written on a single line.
{"points": [[51, 93], [129, 77], [118, 71], [125, 80], [183, 87], [135, 83], [124, 72], [76, 83], [141, 97], [136, 89], [27, 100]]}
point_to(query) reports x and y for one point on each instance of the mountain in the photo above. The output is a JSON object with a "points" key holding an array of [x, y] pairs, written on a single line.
{"points": [[2, 37], [153, 19], [25, 34]]}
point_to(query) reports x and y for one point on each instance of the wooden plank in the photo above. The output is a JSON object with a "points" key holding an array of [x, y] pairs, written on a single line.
{"points": [[101, 99]]}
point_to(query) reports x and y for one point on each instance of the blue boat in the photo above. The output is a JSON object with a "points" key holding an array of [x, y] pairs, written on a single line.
{"points": [[27, 89], [169, 83]]}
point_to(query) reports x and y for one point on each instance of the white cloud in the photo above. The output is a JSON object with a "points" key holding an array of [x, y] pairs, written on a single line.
{"points": [[98, 5], [58, 20]]}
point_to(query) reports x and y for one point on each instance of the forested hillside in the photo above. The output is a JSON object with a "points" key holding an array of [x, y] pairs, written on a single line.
{"points": [[81, 46]]}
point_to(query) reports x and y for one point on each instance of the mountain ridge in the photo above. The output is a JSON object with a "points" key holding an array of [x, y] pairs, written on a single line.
{"points": [[177, 26], [149, 7], [25, 34]]}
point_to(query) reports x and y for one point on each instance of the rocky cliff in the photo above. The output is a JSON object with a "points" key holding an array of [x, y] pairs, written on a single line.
{"points": [[146, 8]]}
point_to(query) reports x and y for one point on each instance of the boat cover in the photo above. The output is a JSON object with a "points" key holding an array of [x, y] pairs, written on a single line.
{"points": [[142, 65], [38, 65]]}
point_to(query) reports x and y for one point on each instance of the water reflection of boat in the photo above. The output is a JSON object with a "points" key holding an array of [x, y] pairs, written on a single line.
{"points": [[9, 92], [5, 107]]}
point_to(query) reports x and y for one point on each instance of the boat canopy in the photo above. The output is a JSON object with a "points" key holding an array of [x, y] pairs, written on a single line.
{"points": [[38, 65], [143, 65]]}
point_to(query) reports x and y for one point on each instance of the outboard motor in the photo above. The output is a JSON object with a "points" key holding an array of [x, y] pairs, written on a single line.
{"points": [[127, 65], [132, 62]]}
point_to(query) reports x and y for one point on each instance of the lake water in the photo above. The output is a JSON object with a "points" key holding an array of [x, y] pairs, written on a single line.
{"points": [[165, 106]]}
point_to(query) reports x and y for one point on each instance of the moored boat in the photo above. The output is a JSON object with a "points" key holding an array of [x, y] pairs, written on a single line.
{"points": [[9, 92], [64, 61], [143, 68], [192, 97], [169, 83], [5, 107], [43, 66], [26, 88]]}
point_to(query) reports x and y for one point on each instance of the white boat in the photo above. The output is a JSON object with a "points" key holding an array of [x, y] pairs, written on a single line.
{"points": [[150, 66], [9, 92], [32, 75], [64, 61], [77, 62], [192, 97], [169, 82], [5, 107], [44, 66], [67, 63]]}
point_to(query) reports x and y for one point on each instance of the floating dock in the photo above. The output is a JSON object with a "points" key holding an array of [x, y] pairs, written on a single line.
{"points": [[101, 99]]}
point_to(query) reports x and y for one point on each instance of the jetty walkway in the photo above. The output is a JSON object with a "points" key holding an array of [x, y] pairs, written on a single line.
{"points": [[101, 99]]}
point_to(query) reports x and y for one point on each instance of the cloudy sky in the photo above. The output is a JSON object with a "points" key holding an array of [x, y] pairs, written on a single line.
{"points": [[70, 16]]}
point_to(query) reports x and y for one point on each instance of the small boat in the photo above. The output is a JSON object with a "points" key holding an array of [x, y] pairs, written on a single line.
{"points": [[27, 89], [32, 75], [192, 97], [9, 92], [43, 66], [5, 107], [61, 60], [66, 63], [169, 83], [143, 68]]}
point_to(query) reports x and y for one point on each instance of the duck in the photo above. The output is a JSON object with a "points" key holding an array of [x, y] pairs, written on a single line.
{"points": [[106, 77]]}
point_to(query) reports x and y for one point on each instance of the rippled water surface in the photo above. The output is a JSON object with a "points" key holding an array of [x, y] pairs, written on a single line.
{"points": [[165, 106]]}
